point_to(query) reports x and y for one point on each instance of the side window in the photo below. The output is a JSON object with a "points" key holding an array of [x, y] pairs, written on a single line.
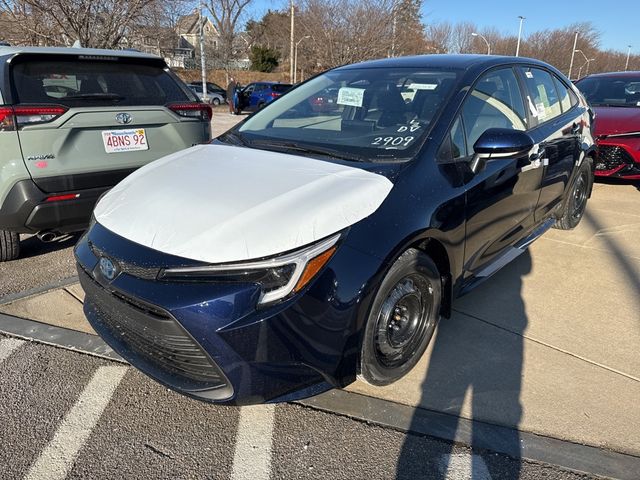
{"points": [[249, 89], [563, 93], [495, 102], [454, 145], [543, 99]]}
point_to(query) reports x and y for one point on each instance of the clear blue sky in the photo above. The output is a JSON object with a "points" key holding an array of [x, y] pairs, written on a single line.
{"points": [[617, 20]]}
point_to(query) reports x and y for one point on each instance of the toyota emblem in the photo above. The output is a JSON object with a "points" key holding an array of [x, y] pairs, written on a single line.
{"points": [[108, 268], [124, 118]]}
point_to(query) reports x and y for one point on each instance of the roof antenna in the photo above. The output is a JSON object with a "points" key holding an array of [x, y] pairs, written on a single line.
{"points": [[76, 44]]}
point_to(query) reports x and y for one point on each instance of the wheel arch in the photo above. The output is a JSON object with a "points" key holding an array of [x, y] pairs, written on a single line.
{"points": [[438, 253]]}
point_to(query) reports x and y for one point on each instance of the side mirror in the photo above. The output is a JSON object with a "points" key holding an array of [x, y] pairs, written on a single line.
{"points": [[499, 143]]}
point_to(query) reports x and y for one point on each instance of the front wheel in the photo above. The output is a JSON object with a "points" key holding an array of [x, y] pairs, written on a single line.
{"points": [[9, 246], [576, 202], [402, 319]]}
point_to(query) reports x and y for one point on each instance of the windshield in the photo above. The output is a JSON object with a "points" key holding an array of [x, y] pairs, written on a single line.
{"points": [[359, 114], [611, 91]]}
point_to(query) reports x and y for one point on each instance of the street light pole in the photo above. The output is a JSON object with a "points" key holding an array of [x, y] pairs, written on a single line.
{"points": [[295, 59], [573, 53], [203, 61], [626, 65], [291, 49], [519, 35], [586, 63], [474, 34]]}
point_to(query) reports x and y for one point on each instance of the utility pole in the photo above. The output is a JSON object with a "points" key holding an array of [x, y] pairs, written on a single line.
{"points": [[203, 61], [573, 53], [292, 47], [626, 65], [519, 35], [393, 29]]}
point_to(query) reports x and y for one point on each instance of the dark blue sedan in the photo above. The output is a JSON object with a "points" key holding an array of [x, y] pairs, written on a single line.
{"points": [[308, 246]]}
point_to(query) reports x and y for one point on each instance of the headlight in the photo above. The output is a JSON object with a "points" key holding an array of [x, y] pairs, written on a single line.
{"points": [[278, 277]]}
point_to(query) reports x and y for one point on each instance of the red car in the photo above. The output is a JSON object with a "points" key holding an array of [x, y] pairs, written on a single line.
{"points": [[615, 98]]}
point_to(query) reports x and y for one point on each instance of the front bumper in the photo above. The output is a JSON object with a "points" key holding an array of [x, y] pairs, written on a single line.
{"points": [[209, 341]]}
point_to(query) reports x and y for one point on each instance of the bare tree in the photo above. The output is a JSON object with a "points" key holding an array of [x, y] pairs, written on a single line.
{"points": [[227, 15]]}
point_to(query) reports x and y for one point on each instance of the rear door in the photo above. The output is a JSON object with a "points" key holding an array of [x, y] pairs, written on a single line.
{"points": [[81, 116], [558, 128]]}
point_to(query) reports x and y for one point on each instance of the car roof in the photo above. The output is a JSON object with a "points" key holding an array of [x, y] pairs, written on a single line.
{"points": [[458, 61], [98, 52], [633, 74]]}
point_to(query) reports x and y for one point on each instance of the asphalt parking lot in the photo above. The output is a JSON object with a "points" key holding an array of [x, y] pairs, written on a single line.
{"points": [[530, 351]]}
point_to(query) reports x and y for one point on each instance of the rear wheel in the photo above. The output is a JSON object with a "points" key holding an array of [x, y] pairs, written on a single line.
{"points": [[576, 203], [9, 246], [216, 101], [402, 320]]}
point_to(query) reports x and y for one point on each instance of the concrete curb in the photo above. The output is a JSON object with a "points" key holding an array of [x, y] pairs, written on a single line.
{"points": [[580, 458], [38, 290]]}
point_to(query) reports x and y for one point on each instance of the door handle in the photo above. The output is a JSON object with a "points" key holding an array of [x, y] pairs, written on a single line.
{"points": [[537, 160]]}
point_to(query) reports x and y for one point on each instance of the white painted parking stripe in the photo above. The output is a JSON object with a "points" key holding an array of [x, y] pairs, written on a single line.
{"points": [[252, 458], [57, 458], [7, 347], [463, 466]]}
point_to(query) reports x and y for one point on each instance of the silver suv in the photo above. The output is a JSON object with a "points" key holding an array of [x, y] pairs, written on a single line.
{"points": [[73, 123]]}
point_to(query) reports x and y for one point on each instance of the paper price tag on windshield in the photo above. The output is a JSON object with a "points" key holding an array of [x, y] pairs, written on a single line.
{"points": [[423, 86], [352, 97]]}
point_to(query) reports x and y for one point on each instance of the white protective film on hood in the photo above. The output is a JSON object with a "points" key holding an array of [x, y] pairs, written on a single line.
{"points": [[218, 203]]}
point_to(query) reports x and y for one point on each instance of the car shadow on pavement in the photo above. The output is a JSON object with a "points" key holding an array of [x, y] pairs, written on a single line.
{"points": [[475, 371], [31, 246]]}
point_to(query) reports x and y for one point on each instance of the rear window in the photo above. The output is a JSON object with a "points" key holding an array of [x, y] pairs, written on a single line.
{"points": [[81, 83], [280, 87]]}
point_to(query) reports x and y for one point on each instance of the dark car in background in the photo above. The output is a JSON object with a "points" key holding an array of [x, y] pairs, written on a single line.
{"points": [[615, 98], [257, 95], [298, 252]]}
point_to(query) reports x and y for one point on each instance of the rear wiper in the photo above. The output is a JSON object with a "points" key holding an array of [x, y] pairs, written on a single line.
{"points": [[94, 96], [295, 147]]}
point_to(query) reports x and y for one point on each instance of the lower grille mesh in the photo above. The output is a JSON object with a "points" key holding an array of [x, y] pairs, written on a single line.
{"points": [[154, 335], [611, 157]]}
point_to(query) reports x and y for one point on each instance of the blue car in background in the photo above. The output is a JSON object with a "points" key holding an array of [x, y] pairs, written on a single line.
{"points": [[256, 95], [307, 247]]}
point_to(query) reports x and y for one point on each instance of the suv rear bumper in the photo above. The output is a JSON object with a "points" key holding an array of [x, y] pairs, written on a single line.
{"points": [[26, 208]]}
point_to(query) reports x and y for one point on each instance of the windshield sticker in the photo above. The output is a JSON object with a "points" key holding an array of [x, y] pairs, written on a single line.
{"points": [[423, 86], [542, 114], [529, 74], [391, 142], [352, 97]]}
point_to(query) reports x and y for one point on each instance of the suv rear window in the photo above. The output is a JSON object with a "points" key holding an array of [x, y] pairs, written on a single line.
{"points": [[89, 83], [280, 87]]}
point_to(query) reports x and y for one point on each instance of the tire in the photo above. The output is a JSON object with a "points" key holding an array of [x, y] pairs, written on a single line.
{"points": [[9, 246], [576, 201], [261, 105], [402, 320], [215, 101]]}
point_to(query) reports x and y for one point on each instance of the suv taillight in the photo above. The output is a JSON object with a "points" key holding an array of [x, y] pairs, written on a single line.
{"points": [[201, 111], [275, 94], [21, 116]]}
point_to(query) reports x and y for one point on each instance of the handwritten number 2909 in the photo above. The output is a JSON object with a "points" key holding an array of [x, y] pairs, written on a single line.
{"points": [[392, 141]]}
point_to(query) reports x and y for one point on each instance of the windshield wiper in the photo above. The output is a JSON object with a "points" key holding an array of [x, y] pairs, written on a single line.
{"points": [[295, 147], [94, 96], [234, 138], [623, 105]]}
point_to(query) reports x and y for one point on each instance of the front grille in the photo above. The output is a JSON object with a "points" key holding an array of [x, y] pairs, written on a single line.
{"points": [[138, 271], [611, 157], [165, 349]]}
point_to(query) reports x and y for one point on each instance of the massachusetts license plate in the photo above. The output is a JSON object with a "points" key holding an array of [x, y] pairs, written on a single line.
{"points": [[118, 141]]}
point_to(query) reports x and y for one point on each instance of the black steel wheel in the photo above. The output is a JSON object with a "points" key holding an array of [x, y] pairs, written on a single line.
{"points": [[576, 201], [402, 319]]}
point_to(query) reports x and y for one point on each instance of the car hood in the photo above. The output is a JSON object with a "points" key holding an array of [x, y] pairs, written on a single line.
{"points": [[218, 203], [615, 120]]}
